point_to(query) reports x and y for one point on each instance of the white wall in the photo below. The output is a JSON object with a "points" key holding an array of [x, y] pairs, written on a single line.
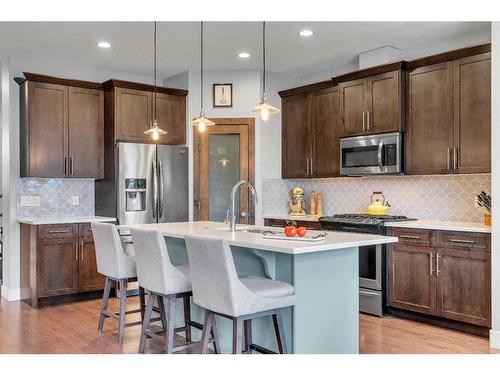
{"points": [[10, 146], [495, 186]]}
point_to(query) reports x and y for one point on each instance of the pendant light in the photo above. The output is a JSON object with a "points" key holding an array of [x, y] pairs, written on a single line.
{"points": [[264, 108], [201, 121], [154, 130]]}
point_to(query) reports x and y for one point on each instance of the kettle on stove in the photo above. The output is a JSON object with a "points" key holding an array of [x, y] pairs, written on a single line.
{"points": [[377, 207]]}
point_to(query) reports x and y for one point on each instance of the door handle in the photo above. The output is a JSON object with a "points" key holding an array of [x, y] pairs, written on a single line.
{"points": [[462, 241], [311, 168], [455, 159], [71, 165], [76, 250], [65, 165], [409, 237], [448, 159], [364, 121], [307, 166], [431, 258], [379, 155], [155, 190], [160, 195], [367, 120], [437, 264], [81, 250]]}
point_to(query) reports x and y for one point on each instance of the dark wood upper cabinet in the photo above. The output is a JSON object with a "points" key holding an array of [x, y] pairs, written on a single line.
{"points": [[129, 112], [373, 104], [61, 128], [133, 114], [472, 114], [86, 133], [428, 140], [327, 130], [296, 135], [44, 130], [448, 119]]}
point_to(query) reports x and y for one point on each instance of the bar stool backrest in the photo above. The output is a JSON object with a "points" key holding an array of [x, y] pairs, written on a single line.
{"points": [[155, 271], [112, 261]]}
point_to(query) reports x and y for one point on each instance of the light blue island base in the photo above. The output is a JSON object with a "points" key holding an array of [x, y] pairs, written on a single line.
{"points": [[325, 316]]}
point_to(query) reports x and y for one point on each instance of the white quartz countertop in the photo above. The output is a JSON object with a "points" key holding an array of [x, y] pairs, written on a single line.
{"points": [[296, 218], [64, 220], [333, 241], [459, 226]]}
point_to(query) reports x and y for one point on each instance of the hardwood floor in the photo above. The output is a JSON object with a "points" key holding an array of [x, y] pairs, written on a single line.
{"points": [[72, 328]]}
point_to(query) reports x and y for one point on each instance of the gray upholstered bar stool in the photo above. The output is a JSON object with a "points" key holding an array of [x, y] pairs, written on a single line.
{"points": [[119, 267], [165, 283], [217, 288]]}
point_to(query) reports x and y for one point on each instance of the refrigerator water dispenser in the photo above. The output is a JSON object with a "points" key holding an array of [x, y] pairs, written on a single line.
{"points": [[135, 194]]}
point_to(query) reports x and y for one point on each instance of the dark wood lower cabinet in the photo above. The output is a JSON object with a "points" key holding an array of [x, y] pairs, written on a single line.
{"points": [[57, 261], [450, 279]]}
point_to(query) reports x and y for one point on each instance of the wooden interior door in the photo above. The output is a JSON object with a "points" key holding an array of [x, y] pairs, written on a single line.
{"points": [[133, 115], [86, 133], [411, 278], [429, 129], [224, 155], [327, 131], [296, 136], [472, 113], [353, 106], [384, 103], [464, 286], [48, 130]]}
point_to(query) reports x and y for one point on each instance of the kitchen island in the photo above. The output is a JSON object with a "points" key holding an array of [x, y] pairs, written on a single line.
{"points": [[324, 274]]}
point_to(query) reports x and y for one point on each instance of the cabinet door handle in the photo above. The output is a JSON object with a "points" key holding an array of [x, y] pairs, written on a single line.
{"points": [[431, 258], [364, 121], [437, 264], [367, 120], [58, 231], [81, 250], [311, 168], [71, 165], [462, 241], [455, 158], [65, 165], [409, 237], [76, 250], [307, 167], [448, 159]]}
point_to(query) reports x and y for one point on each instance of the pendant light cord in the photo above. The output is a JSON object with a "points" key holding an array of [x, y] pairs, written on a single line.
{"points": [[154, 73], [201, 65], [263, 59]]}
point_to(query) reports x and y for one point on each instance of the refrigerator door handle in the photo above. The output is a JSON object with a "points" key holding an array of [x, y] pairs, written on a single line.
{"points": [[160, 196], [155, 190]]}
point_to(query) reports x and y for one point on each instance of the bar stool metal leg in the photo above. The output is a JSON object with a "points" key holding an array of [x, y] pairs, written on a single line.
{"points": [[187, 317], [280, 332]]}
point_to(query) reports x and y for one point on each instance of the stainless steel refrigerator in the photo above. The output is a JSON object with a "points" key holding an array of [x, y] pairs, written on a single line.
{"points": [[144, 183]]}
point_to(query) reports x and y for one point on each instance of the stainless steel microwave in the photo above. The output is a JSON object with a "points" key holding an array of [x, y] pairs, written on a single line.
{"points": [[371, 154]]}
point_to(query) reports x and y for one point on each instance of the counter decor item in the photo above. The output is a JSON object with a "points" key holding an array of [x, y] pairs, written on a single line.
{"points": [[319, 204], [271, 235], [297, 202], [483, 203], [312, 204], [377, 207]]}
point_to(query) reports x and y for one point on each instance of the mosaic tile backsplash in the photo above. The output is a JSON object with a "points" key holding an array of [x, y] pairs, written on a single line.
{"points": [[55, 197], [444, 197]]}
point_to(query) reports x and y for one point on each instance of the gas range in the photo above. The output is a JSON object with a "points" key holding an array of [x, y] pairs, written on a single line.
{"points": [[363, 219]]}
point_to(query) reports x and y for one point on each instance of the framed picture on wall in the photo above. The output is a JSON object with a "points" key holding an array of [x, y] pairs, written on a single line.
{"points": [[223, 95]]}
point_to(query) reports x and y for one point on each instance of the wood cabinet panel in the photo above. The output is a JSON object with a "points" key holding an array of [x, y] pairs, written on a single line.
{"points": [[171, 116], [384, 103], [296, 129], [327, 131], [57, 267], [472, 113], [464, 286], [86, 133], [47, 127], [88, 277], [353, 106], [133, 114], [412, 285], [429, 120]]}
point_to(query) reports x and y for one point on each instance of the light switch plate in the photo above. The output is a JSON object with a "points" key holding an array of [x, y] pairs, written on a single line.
{"points": [[75, 200], [30, 201]]}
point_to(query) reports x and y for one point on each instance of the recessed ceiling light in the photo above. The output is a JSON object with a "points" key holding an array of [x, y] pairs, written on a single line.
{"points": [[104, 44], [243, 55], [306, 33]]}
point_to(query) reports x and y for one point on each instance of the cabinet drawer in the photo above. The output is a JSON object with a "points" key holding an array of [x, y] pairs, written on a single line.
{"points": [[466, 241], [57, 231], [412, 236]]}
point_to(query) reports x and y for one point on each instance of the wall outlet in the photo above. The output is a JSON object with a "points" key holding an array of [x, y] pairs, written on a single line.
{"points": [[75, 200], [30, 201]]}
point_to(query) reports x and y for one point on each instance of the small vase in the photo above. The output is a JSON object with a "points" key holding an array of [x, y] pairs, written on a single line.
{"points": [[487, 220]]}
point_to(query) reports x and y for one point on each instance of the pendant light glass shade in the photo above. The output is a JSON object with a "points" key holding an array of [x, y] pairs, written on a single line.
{"points": [[264, 108], [155, 130], [201, 121]]}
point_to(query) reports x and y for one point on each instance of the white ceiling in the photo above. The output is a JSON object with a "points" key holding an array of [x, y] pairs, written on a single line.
{"points": [[333, 44]]}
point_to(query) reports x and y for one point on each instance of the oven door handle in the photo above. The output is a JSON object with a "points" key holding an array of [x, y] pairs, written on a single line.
{"points": [[368, 294], [379, 155]]}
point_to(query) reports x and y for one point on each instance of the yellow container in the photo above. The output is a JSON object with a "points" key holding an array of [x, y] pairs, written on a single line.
{"points": [[487, 220]]}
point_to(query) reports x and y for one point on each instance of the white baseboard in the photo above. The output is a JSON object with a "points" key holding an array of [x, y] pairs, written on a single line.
{"points": [[494, 339], [11, 294]]}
